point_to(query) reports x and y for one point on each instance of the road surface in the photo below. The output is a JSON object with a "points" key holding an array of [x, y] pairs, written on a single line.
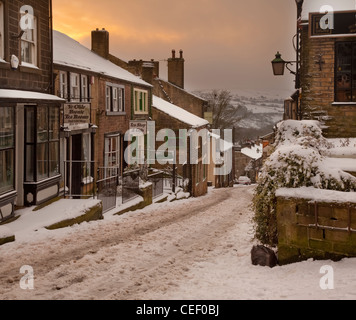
{"points": [[147, 254]]}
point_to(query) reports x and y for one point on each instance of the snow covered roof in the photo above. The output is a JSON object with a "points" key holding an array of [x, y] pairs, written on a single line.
{"points": [[255, 152], [310, 6], [69, 52], [27, 95], [178, 113]]}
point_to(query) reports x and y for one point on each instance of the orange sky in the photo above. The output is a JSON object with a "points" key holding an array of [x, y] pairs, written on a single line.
{"points": [[226, 43]]}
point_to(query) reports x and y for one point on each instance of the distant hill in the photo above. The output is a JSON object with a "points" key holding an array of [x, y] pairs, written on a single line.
{"points": [[259, 111]]}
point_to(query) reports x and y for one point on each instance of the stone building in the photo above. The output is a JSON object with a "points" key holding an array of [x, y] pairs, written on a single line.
{"points": [[29, 110], [102, 101], [327, 67]]}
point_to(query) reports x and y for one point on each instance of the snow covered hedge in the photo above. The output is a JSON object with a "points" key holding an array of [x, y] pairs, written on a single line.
{"points": [[297, 161]]}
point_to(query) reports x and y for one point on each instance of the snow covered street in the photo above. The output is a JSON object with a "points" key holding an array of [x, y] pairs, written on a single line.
{"points": [[191, 249]]}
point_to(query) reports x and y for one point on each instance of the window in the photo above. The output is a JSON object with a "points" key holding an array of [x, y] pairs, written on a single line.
{"points": [[140, 101], [112, 151], [7, 149], [74, 87], [85, 89], [2, 41], [108, 99], [63, 84], [345, 73], [115, 98], [29, 46], [42, 142]]}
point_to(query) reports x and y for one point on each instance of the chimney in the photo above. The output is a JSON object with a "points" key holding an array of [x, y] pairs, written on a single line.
{"points": [[148, 72], [176, 69], [100, 42]]}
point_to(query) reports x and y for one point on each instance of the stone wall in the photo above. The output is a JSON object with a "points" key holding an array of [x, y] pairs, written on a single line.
{"points": [[318, 87], [299, 238]]}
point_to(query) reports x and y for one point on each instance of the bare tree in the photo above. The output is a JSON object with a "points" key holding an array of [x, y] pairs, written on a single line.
{"points": [[225, 115]]}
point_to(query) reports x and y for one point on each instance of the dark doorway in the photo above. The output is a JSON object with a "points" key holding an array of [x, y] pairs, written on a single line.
{"points": [[76, 151]]}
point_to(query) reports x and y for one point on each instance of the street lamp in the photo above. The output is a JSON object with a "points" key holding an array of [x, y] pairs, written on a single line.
{"points": [[278, 65]]}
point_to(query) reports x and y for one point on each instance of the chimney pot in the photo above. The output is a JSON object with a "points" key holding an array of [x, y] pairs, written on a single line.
{"points": [[173, 54], [181, 54]]}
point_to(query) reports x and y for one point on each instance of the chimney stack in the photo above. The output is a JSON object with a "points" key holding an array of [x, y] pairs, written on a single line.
{"points": [[148, 72], [100, 42], [176, 69]]}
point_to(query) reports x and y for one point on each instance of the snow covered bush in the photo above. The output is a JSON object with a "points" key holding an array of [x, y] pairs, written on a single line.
{"points": [[297, 161]]}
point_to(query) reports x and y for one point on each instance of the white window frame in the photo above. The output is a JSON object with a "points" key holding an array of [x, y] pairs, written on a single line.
{"points": [[34, 46], [74, 87], [115, 99], [108, 98], [110, 152], [2, 40], [63, 84], [138, 96], [84, 88]]}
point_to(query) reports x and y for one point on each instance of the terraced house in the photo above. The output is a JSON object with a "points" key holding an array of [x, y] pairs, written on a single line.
{"points": [[103, 101], [29, 110]]}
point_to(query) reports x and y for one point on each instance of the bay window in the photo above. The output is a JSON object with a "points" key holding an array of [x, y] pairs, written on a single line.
{"points": [[7, 149], [42, 142]]}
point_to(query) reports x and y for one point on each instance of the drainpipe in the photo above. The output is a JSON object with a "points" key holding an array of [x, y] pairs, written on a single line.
{"points": [[52, 89]]}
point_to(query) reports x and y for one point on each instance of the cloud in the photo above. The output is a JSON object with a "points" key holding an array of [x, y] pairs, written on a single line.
{"points": [[224, 41]]}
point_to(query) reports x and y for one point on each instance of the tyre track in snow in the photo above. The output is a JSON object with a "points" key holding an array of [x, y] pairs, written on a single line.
{"points": [[124, 259]]}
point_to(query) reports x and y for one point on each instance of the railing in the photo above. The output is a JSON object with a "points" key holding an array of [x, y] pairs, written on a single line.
{"points": [[130, 185], [157, 184], [79, 179], [108, 187]]}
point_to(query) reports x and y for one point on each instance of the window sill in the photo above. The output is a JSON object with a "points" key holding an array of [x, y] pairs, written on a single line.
{"points": [[115, 113], [28, 68], [343, 104], [4, 64]]}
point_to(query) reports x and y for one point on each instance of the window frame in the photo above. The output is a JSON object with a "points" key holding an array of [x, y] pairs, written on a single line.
{"points": [[6, 149], [33, 43], [63, 84], [109, 141], [115, 99], [2, 32], [73, 97], [337, 90], [137, 101], [84, 88], [35, 144]]}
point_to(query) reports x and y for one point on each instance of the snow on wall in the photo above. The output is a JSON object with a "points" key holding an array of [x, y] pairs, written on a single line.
{"points": [[319, 195]]}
